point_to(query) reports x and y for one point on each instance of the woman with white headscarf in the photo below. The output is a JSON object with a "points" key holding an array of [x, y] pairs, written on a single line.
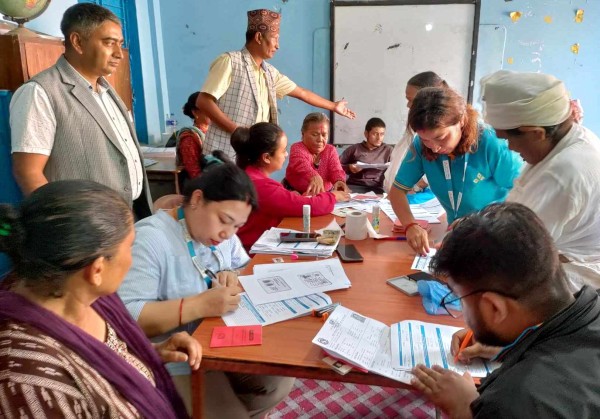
{"points": [[560, 180]]}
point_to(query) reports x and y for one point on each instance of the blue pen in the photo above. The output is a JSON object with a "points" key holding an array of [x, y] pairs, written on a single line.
{"points": [[392, 238]]}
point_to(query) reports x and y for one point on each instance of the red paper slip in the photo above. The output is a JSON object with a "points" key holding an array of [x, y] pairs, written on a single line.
{"points": [[224, 336]]}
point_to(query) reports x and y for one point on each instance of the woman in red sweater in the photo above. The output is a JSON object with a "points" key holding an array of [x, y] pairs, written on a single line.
{"points": [[315, 165], [261, 150]]}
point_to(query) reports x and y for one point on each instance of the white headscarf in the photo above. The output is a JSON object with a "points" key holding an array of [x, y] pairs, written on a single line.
{"points": [[513, 100]]}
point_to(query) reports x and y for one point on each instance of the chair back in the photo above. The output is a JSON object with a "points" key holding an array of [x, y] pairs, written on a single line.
{"points": [[167, 202]]}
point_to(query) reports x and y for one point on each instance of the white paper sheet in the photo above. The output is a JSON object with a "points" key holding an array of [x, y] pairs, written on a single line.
{"points": [[421, 263], [298, 280], [265, 314], [428, 211], [363, 165], [359, 341], [414, 342]]}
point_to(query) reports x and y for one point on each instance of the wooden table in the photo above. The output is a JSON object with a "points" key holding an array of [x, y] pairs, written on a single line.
{"points": [[165, 171], [287, 348]]}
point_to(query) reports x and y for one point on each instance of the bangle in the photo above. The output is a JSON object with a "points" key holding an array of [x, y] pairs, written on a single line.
{"points": [[409, 225], [180, 311]]}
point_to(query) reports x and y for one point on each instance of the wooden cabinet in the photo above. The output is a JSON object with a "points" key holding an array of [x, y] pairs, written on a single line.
{"points": [[22, 58]]}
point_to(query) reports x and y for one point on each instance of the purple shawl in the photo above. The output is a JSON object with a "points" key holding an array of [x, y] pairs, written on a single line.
{"points": [[161, 401]]}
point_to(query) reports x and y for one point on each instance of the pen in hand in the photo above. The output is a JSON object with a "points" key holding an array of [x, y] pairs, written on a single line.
{"points": [[463, 345], [213, 279]]}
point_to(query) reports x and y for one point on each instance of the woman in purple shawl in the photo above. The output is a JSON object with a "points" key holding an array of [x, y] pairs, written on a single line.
{"points": [[68, 346]]}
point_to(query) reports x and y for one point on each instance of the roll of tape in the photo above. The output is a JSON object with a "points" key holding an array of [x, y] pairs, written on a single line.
{"points": [[356, 225]]}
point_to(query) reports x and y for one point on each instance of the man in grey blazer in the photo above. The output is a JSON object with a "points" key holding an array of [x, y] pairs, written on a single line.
{"points": [[69, 123]]}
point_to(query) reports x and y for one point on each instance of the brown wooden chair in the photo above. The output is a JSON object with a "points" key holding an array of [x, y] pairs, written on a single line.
{"points": [[167, 202]]}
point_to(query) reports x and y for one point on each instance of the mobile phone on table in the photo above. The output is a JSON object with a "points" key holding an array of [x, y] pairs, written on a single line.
{"points": [[417, 276], [405, 284], [348, 253], [298, 237]]}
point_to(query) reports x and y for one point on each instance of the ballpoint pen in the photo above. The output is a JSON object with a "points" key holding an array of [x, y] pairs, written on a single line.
{"points": [[401, 238], [213, 278], [465, 342]]}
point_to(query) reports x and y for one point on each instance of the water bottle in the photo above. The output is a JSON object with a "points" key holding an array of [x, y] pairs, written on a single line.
{"points": [[173, 123], [168, 124]]}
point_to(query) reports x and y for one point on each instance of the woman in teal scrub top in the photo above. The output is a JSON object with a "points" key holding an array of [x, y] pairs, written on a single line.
{"points": [[467, 166]]}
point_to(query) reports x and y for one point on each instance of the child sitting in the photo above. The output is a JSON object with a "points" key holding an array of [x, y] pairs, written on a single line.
{"points": [[371, 151]]}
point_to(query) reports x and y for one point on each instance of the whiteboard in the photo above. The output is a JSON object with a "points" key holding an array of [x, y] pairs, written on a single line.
{"points": [[376, 48]]}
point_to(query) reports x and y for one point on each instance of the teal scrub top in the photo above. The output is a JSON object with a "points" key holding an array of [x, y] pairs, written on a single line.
{"points": [[490, 173]]}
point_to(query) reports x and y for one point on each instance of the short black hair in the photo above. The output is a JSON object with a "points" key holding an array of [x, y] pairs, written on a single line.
{"points": [[426, 79], [222, 182], [84, 18], [504, 247], [374, 123]]}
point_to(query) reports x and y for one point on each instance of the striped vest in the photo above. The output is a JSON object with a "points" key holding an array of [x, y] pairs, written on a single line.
{"points": [[85, 145], [239, 102]]}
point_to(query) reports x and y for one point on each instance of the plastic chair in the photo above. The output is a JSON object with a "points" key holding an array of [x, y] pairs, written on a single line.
{"points": [[167, 202]]}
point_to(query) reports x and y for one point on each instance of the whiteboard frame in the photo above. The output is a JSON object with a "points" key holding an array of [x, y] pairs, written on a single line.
{"points": [[350, 3]]}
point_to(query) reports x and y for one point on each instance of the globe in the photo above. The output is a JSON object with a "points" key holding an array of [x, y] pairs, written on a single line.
{"points": [[22, 11]]}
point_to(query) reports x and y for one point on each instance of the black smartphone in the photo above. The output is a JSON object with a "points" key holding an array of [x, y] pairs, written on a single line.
{"points": [[298, 237], [348, 253], [417, 276]]}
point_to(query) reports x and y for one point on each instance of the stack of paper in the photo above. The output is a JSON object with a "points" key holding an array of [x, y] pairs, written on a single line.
{"points": [[269, 243], [158, 151], [359, 202]]}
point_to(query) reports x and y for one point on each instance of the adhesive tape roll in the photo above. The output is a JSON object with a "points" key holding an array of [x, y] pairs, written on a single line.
{"points": [[356, 225]]}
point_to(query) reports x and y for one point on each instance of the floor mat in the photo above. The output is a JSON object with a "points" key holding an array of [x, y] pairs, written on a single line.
{"points": [[334, 400]]}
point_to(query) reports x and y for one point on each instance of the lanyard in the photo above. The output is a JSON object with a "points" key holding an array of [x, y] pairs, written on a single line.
{"points": [[207, 275], [448, 176]]}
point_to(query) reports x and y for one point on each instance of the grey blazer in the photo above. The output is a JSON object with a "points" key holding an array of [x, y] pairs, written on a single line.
{"points": [[85, 145]]}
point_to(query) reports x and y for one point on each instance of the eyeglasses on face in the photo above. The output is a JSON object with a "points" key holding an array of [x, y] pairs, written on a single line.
{"points": [[449, 299]]}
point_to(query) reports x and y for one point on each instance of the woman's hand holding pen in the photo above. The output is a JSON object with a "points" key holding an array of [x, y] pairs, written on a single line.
{"points": [[216, 301], [227, 278], [472, 349]]}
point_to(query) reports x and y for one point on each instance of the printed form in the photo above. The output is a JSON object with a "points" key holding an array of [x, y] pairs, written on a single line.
{"points": [[360, 341], [414, 342], [293, 280], [421, 263], [265, 314]]}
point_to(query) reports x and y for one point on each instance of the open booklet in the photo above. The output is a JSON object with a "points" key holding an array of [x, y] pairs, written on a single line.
{"points": [[414, 342], [359, 341], [368, 344]]}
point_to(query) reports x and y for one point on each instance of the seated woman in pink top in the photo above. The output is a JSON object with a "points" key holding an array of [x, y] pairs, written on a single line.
{"points": [[314, 165], [261, 151]]}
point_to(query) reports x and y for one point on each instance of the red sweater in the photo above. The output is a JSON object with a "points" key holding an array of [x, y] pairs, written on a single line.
{"points": [[274, 203], [301, 168]]}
